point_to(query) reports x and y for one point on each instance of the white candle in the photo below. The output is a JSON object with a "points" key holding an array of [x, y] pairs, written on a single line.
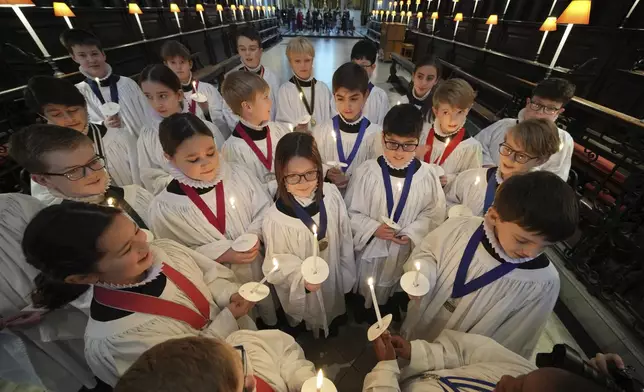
{"points": [[320, 381], [417, 273], [396, 200], [261, 282], [314, 229], [443, 153], [221, 17], [375, 301]]}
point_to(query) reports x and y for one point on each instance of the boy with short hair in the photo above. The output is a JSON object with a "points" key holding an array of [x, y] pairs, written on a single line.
{"points": [[547, 101], [365, 54], [489, 275], [268, 360], [527, 145], [177, 57], [249, 49], [303, 101], [349, 138], [101, 85], [447, 144], [400, 187], [254, 138]]}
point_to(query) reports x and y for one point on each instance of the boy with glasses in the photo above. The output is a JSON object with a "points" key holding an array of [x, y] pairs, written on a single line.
{"points": [[64, 162], [365, 54], [547, 102], [526, 146], [395, 187], [259, 361]]}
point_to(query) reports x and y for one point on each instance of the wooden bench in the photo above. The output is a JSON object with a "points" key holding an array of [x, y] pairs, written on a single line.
{"points": [[217, 71]]}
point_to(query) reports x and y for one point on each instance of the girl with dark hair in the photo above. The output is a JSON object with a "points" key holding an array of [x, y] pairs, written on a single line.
{"points": [[163, 90], [143, 293], [59, 102], [210, 203], [304, 200], [427, 72]]}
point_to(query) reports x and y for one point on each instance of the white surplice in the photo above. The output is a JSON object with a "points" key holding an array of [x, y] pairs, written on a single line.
{"points": [[112, 346], [369, 147], [290, 241], [215, 106], [377, 105], [492, 136], [469, 189], [367, 202], [121, 157], [153, 164], [452, 354], [176, 217], [290, 108], [512, 310], [135, 108], [275, 357]]}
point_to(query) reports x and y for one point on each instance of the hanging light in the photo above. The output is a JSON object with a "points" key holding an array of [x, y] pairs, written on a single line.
{"points": [[458, 18], [393, 16], [492, 20], [62, 9], [434, 17], [381, 13], [550, 24], [174, 8], [200, 10], [241, 11], [252, 9], [387, 16], [134, 9], [219, 9], [578, 12]]}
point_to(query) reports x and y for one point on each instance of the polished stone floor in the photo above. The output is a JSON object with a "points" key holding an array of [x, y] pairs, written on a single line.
{"points": [[349, 356]]}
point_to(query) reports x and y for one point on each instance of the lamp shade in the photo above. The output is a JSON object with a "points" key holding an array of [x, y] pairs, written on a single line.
{"points": [[409, 14], [133, 8], [434, 15], [251, 8], [241, 7], [458, 17], [550, 24], [232, 7], [395, 4], [220, 7], [492, 20], [62, 9], [419, 15], [174, 8], [381, 12], [19, 3], [578, 12], [200, 8]]}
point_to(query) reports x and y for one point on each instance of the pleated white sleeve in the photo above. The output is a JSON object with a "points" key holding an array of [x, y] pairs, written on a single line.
{"points": [[377, 105], [152, 163], [139, 199], [216, 108], [468, 189], [122, 157]]}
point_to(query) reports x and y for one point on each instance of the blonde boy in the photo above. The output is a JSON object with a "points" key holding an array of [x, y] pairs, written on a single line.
{"points": [[254, 138], [303, 101], [447, 144]]}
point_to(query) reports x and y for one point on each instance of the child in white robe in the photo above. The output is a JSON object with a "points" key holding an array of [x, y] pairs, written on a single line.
{"points": [[526, 146], [201, 176], [447, 143], [488, 275], [426, 74], [63, 162], [303, 101], [349, 138], [163, 90], [259, 361], [143, 294], [254, 137], [547, 101], [249, 49], [398, 186], [102, 86], [365, 54], [305, 201], [58, 102], [178, 58]]}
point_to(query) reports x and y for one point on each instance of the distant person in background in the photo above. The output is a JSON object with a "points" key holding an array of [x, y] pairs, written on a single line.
{"points": [[547, 101], [300, 20], [308, 19]]}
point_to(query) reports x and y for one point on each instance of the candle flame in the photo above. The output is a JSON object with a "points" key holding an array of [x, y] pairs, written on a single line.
{"points": [[111, 202], [290, 127], [320, 380], [370, 281], [417, 266]]}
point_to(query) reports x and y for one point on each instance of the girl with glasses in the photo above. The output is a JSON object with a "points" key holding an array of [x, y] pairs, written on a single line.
{"points": [[210, 203], [399, 186], [304, 200]]}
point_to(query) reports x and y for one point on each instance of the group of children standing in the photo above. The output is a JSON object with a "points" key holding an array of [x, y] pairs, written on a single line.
{"points": [[286, 162]]}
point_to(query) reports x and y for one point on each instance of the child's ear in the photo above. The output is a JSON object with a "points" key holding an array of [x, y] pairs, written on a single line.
{"points": [[435, 111], [168, 157], [40, 180], [493, 215], [190, 63], [82, 279]]}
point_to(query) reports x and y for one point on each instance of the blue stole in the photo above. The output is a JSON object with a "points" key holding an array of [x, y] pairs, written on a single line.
{"points": [[490, 191], [370, 86], [338, 141], [471, 384], [462, 288], [305, 218], [389, 192], [114, 92]]}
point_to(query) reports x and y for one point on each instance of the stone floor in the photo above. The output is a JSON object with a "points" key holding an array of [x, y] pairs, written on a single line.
{"points": [[349, 356]]}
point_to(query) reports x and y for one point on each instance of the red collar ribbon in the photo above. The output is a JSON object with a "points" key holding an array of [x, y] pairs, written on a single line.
{"points": [[219, 221], [449, 148], [267, 160]]}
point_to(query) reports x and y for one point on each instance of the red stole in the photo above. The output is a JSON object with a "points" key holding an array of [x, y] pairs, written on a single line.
{"points": [[449, 148]]}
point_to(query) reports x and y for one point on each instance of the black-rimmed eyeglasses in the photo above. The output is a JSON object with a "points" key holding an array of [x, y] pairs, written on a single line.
{"points": [[518, 157], [75, 174]]}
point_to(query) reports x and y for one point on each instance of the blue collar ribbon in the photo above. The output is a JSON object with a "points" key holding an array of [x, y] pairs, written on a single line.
{"points": [[305, 218], [490, 192], [461, 288], [114, 92], [389, 192], [338, 141], [456, 383], [370, 86]]}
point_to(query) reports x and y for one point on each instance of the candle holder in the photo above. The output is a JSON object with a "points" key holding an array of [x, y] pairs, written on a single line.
{"points": [[311, 385], [459, 210], [379, 328], [414, 283], [244, 242], [109, 109], [254, 291], [337, 164], [315, 270]]}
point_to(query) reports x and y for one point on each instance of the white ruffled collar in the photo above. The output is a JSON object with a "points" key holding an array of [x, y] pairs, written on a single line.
{"points": [[521, 115], [497, 175], [151, 274], [185, 180], [251, 126], [391, 165], [491, 237], [439, 131], [255, 70], [189, 81], [92, 199], [303, 80], [352, 122], [423, 98], [109, 73]]}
